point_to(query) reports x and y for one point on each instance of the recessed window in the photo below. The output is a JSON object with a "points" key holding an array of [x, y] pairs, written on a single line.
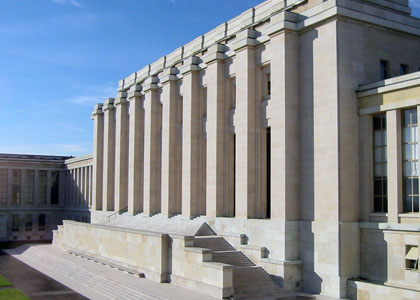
{"points": [[28, 222], [403, 69], [380, 199], [268, 84], [41, 222], [16, 191], [384, 69], [410, 161], [28, 187], [42, 187], [15, 222], [54, 187], [412, 257]]}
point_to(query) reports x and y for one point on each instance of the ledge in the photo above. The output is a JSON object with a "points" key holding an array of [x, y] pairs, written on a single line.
{"points": [[390, 226], [216, 265], [114, 228]]}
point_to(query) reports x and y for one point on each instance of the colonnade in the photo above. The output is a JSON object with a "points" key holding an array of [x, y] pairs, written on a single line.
{"points": [[195, 139], [78, 192]]}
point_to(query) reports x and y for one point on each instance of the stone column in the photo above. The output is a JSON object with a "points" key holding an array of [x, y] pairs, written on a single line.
{"points": [[109, 155], [79, 175], [393, 136], [285, 125], [366, 163], [246, 125], [216, 128], [121, 152], [98, 152], [152, 150], [171, 205], [87, 186], [191, 127], [82, 186], [136, 151]]}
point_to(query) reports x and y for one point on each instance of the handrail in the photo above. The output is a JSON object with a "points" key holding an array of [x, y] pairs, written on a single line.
{"points": [[117, 213]]}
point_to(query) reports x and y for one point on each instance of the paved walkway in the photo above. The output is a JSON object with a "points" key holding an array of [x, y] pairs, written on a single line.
{"points": [[32, 283], [96, 281]]}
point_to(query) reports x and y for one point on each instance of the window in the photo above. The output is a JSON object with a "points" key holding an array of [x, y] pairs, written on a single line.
{"points": [[412, 257], [54, 187], [15, 222], [410, 161], [16, 193], [41, 222], [28, 222], [268, 84], [42, 187], [28, 187], [3, 186], [403, 69], [384, 69], [380, 201]]}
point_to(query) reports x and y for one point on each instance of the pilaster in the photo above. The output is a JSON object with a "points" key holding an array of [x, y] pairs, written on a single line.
{"points": [[191, 126], [171, 204], [9, 187], [246, 125], [121, 152], [216, 130], [285, 126], [393, 136], [152, 148], [109, 155], [136, 151], [98, 152]]}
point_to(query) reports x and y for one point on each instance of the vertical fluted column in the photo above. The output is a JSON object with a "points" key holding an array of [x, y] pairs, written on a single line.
{"points": [[98, 152], [285, 125], [171, 205], [152, 148], [109, 155], [121, 152], [246, 125], [216, 114], [136, 151], [191, 127]]}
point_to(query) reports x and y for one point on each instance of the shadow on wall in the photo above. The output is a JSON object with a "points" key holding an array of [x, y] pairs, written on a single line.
{"points": [[374, 256]]}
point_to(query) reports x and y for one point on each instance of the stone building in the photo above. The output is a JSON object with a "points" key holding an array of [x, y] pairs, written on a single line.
{"points": [[291, 131]]}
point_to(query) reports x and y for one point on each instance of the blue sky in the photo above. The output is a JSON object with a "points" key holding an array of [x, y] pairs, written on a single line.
{"points": [[60, 57]]}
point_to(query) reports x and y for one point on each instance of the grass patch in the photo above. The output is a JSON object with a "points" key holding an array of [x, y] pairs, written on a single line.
{"points": [[4, 282], [12, 294]]}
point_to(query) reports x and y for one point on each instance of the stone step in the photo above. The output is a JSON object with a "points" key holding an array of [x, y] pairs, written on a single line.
{"points": [[213, 243], [234, 258]]}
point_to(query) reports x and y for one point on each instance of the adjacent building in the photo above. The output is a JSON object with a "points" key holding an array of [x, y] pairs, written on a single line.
{"points": [[292, 130]]}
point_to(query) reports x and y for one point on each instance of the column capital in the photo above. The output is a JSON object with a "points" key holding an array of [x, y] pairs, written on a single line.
{"points": [[134, 92], [246, 38], [190, 65], [121, 99], [168, 74], [282, 21], [97, 110], [150, 84], [215, 53], [108, 104]]}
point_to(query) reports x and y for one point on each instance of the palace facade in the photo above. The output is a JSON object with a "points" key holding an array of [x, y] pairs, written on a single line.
{"points": [[291, 131]]}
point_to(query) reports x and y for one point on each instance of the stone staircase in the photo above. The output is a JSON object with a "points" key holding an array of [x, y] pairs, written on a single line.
{"points": [[249, 280]]}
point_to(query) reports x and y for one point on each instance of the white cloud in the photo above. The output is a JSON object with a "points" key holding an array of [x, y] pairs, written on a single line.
{"points": [[71, 127], [93, 96], [68, 2], [70, 148]]}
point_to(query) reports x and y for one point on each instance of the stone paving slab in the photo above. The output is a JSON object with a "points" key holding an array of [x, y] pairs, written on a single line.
{"points": [[97, 281]]}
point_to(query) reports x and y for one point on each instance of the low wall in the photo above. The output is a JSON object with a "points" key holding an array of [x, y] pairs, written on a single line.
{"points": [[143, 251], [191, 268], [361, 290]]}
